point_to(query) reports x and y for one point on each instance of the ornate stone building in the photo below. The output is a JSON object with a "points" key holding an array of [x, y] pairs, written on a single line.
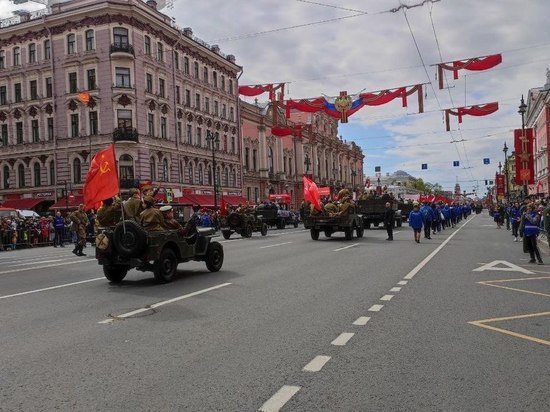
{"points": [[275, 165], [88, 73]]}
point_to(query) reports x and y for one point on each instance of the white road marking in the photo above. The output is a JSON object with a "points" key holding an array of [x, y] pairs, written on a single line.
{"points": [[50, 288], [49, 266], [510, 267], [316, 364], [41, 262], [346, 247], [342, 339], [375, 308], [402, 282], [386, 297], [396, 289], [417, 268], [277, 401], [362, 321], [278, 244], [166, 302]]}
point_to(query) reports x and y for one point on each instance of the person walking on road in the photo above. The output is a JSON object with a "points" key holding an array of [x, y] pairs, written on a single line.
{"points": [[515, 217], [389, 219], [427, 218], [59, 229], [531, 232], [80, 221], [415, 221]]}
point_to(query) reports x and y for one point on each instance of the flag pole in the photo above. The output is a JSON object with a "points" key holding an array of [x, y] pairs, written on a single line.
{"points": [[119, 195]]}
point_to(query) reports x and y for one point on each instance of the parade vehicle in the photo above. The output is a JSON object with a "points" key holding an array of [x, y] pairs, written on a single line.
{"points": [[272, 215], [128, 246], [373, 211], [327, 224], [242, 223]]}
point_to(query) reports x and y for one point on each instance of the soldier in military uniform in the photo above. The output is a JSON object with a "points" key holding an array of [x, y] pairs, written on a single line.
{"points": [[148, 190], [151, 218], [80, 221], [330, 207], [346, 206], [110, 213], [133, 206]]}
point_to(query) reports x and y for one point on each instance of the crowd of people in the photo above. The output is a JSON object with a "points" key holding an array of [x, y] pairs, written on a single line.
{"points": [[432, 218]]}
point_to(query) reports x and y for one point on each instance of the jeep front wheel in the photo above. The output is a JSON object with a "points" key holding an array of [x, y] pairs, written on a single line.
{"points": [[115, 273], [314, 234], [214, 257], [226, 234], [264, 229], [166, 266]]}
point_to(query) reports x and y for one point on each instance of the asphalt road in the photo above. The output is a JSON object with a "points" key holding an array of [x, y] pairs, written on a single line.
{"points": [[457, 323]]}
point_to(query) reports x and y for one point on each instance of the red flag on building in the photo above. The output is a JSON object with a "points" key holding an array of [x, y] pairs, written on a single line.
{"points": [[102, 178], [311, 193]]}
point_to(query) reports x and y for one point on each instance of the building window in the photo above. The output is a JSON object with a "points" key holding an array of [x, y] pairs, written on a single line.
{"points": [[163, 131], [92, 117], [231, 114], [33, 89], [190, 173], [255, 160], [153, 169], [196, 69], [74, 125], [149, 83], [73, 87], [178, 95], [36, 174], [124, 119], [2, 59], [21, 176], [215, 79], [189, 134], [147, 46], [50, 128], [71, 43], [197, 101], [35, 131], [49, 87], [216, 108], [233, 148], [162, 88], [160, 52], [52, 173], [224, 111], [90, 40], [32, 53], [207, 105], [199, 136], [231, 87], [186, 65], [47, 50], [19, 132], [4, 135], [122, 77], [151, 124], [201, 175], [205, 74], [6, 177], [120, 37], [126, 167], [188, 97], [77, 171], [3, 95], [247, 158], [177, 60], [90, 74], [165, 170], [17, 92], [180, 131], [223, 83], [17, 56]]}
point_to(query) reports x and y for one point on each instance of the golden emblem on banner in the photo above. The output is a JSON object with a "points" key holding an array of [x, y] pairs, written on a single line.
{"points": [[343, 103]]}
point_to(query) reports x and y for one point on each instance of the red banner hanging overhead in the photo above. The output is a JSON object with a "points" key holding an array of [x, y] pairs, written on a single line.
{"points": [[475, 63], [258, 89], [500, 185], [295, 130], [477, 110], [525, 163]]}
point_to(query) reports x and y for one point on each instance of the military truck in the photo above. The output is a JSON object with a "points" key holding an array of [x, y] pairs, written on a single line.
{"points": [[274, 216], [242, 223], [128, 246], [374, 209], [328, 224]]}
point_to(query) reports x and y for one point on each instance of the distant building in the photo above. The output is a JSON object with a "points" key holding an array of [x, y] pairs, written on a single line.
{"points": [[88, 73]]}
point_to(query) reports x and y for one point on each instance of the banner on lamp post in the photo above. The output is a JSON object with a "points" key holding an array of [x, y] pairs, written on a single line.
{"points": [[525, 164], [500, 185]]}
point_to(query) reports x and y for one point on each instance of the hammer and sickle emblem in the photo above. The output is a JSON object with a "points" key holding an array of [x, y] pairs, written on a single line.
{"points": [[104, 168]]}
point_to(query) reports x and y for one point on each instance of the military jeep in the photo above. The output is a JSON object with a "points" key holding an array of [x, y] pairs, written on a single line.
{"points": [[128, 246], [243, 224]]}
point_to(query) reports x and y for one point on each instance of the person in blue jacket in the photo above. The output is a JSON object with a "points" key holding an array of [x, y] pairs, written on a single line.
{"points": [[531, 231], [515, 217], [415, 221], [427, 218]]}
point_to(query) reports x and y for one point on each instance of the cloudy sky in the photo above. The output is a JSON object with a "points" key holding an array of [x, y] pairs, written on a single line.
{"points": [[326, 46]]}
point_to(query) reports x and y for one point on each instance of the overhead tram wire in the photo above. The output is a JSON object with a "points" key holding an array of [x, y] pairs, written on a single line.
{"points": [[331, 6]]}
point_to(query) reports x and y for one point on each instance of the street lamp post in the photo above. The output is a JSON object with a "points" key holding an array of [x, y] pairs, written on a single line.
{"points": [[213, 139], [505, 150], [524, 163]]}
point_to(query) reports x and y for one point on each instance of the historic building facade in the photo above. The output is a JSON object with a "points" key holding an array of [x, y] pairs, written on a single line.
{"points": [[275, 165], [94, 72]]}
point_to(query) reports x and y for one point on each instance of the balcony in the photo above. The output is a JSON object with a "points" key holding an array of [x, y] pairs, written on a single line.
{"points": [[125, 135], [122, 49]]}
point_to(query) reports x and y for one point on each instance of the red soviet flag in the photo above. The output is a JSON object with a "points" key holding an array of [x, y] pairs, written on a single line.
{"points": [[311, 193], [102, 178], [223, 208]]}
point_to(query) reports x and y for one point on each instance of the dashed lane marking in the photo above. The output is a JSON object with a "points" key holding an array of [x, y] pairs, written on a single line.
{"points": [[275, 245], [50, 288], [362, 321], [277, 401], [342, 339], [386, 297], [49, 266], [159, 304], [316, 364], [375, 308], [346, 247], [402, 282], [396, 289]]}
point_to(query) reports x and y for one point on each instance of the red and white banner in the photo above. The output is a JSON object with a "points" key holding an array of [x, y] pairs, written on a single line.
{"points": [[525, 164], [500, 184]]}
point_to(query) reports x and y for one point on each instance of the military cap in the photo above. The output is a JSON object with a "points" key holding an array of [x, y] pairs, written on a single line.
{"points": [[149, 200], [146, 187], [133, 191], [165, 208]]}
